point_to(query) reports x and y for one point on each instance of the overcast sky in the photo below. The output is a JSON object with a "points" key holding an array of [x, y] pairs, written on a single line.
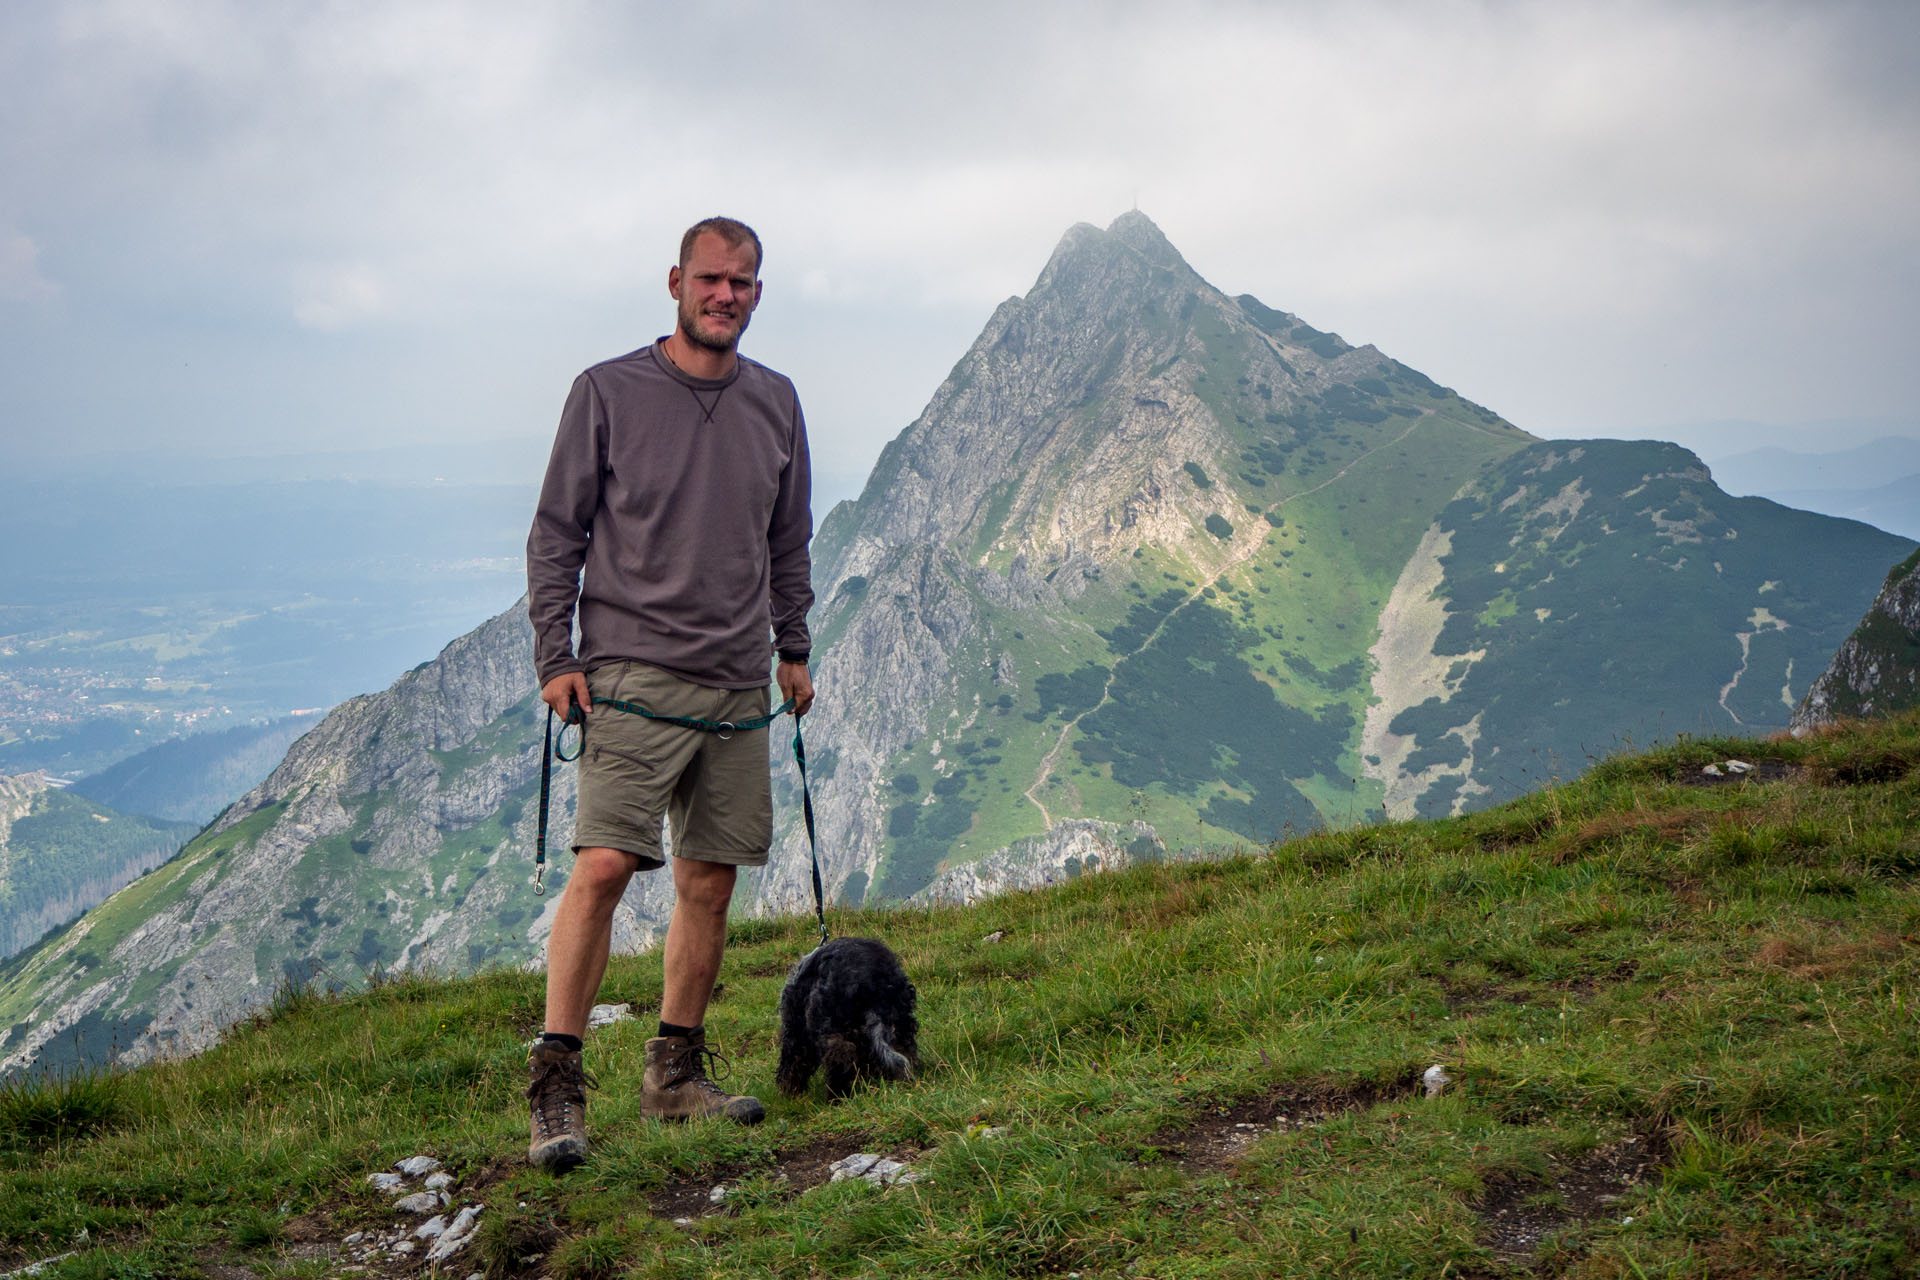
{"points": [[262, 228]]}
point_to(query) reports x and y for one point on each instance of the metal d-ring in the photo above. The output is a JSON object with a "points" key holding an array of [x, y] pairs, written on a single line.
{"points": [[724, 730]]}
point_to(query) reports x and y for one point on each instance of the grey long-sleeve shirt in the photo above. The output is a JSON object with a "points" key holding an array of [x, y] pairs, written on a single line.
{"points": [[687, 502]]}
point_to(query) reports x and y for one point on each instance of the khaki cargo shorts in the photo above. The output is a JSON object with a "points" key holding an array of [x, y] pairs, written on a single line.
{"points": [[717, 791]]}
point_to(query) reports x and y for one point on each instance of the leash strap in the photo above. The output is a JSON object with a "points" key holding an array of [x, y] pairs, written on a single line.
{"points": [[549, 752], [813, 845], [725, 728]]}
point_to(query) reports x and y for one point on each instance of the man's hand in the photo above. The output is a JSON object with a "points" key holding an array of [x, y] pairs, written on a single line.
{"points": [[795, 683], [566, 690]]}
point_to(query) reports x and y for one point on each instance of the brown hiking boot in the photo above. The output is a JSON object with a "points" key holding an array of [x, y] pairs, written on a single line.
{"points": [[557, 1095], [676, 1087]]}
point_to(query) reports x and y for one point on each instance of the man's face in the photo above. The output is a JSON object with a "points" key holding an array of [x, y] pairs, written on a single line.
{"points": [[717, 291]]}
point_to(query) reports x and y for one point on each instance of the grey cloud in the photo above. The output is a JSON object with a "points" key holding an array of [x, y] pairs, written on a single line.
{"points": [[418, 212]]}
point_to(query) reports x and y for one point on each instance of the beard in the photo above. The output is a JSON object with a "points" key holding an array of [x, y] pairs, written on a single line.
{"points": [[691, 330]]}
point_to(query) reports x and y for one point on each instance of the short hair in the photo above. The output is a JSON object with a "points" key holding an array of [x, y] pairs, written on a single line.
{"points": [[732, 230]]}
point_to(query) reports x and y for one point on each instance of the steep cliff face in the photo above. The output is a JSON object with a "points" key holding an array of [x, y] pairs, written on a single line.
{"points": [[1157, 572], [1876, 671]]}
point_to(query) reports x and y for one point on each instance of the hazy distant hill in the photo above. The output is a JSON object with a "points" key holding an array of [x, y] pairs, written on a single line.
{"points": [[1158, 568], [191, 779], [1877, 482]]}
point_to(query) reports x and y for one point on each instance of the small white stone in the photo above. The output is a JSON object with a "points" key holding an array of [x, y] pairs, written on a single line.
{"points": [[458, 1236], [1435, 1079], [355, 1238], [1627, 1221], [718, 1195], [605, 1014], [1739, 766], [1713, 771], [436, 1181], [998, 935], [417, 1166], [683, 1222], [432, 1227], [405, 1246], [421, 1202], [387, 1182], [853, 1166]]}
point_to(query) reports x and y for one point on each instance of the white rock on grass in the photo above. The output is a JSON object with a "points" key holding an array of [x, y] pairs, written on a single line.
{"points": [[1435, 1079], [882, 1171], [437, 1181], [432, 1227], [391, 1183], [422, 1202], [605, 1014], [458, 1233], [417, 1166]]}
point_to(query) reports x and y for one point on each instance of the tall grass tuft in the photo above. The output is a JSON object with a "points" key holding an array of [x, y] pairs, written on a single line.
{"points": [[39, 1111]]}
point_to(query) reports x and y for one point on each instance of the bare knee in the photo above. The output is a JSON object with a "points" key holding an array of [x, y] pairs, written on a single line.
{"points": [[600, 876], [705, 888]]}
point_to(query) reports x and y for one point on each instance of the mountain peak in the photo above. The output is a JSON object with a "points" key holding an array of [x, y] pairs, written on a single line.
{"points": [[1141, 234]]}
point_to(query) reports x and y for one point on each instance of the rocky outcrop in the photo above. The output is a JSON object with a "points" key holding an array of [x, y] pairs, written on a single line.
{"points": [[1876, 671], [1069, 849]]}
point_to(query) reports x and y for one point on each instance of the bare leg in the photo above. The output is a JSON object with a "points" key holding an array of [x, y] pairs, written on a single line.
{"points": [[583, 935], [696, 939]]}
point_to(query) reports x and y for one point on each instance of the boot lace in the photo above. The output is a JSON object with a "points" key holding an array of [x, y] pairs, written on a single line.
{"points": [[557, 1088], [700, 1065]]}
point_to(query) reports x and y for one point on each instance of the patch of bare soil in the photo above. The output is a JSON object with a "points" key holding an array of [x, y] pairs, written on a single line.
{"points": [[1222, 1132], [801, 1169], [1762, 771], [1517, 1213]]}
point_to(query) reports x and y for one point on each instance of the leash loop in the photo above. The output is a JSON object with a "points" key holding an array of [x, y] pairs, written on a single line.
{"points": [[555, 748]]}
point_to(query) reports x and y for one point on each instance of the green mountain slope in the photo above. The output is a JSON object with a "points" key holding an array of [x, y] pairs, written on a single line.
{"points": [[1676, 1022], [61, 853], [1597, 593]]}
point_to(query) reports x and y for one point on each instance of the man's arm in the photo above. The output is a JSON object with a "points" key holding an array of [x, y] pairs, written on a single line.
{"points": [[790, 576], [557, 543]]}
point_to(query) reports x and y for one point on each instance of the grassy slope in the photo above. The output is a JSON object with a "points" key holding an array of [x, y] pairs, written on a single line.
{"points": [[1696, 1000]]}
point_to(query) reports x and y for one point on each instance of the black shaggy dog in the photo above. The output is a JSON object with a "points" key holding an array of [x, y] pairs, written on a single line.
{"points": [[848, 1009]]}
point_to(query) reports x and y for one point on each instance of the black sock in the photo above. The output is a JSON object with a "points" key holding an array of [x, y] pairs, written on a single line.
{"points": [[668, 1029], [570, 1043]]}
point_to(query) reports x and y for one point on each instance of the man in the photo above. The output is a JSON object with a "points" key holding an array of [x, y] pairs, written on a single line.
{"points": [[680, 482]]}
